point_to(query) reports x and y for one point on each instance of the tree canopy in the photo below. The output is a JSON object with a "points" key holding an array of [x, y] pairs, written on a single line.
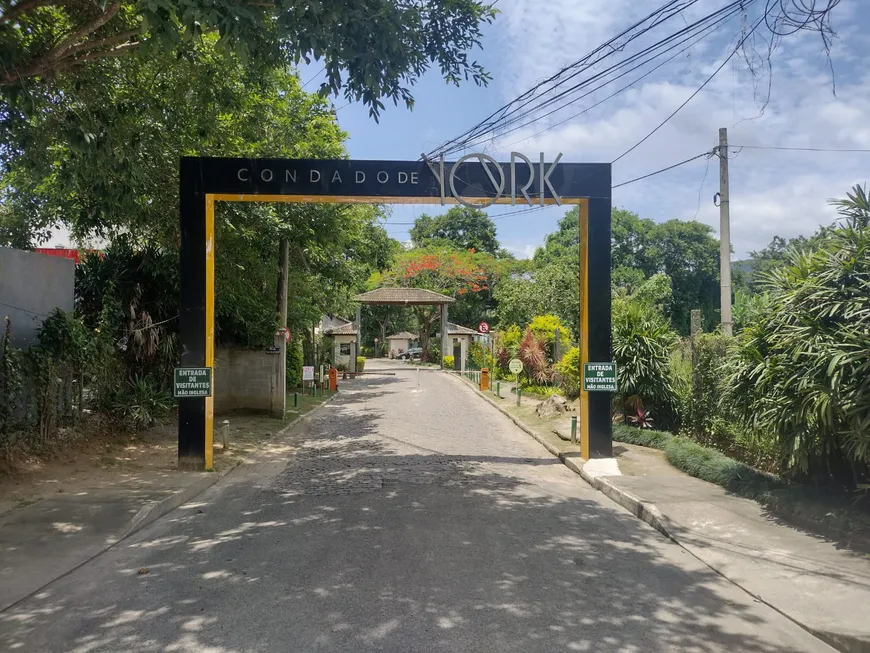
{"points": [[460, 227], [372, 50]]}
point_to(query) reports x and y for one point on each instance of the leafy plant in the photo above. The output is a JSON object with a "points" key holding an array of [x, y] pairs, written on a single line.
{"points": [[533, 354], [294, 363], [642, 345], [640, 417], [540, 390], [800, 371], [568, 370], [141, 404], [449, 361], [360, 364]]}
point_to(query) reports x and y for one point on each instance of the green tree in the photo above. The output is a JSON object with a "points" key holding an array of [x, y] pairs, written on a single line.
{"points": [[461, 227], [689, 254], [372, 50], [117, 130], [518, 300]]}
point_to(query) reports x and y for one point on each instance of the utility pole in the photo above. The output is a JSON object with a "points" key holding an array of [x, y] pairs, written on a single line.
{"points": [[724, 234]]}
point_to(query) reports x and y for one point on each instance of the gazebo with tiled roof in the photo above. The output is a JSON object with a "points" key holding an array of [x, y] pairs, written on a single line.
{"points": [[405, 297]]}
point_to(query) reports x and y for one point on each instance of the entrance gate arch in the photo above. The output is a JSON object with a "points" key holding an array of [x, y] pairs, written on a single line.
{"points": [[206, 180]]}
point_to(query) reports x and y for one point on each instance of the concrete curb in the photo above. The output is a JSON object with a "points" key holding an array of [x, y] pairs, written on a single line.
{"points": [[650, 514]]}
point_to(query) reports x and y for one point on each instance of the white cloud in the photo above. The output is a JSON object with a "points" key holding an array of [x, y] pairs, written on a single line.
{"points": [[772, 192], [525, 250]]}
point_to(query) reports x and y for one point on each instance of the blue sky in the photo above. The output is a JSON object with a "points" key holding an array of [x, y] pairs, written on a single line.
{"points": [[773, 192]]}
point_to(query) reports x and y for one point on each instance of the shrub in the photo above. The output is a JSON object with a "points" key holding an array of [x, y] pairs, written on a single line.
{"points": [[715, 467], [707, 385], [360, 364], [799, 370], [540, 390], [449, 362], [642, 346], [536, 366], [544, 327], [141, 404], [569, 370], [478, 355], [294, 363], [642, 437]]}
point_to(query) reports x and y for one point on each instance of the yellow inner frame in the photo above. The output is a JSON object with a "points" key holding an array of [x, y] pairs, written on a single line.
{"points": [[211, 198]]}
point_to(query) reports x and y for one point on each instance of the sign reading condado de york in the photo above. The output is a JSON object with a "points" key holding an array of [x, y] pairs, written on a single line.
{"points": [[475, 179]]}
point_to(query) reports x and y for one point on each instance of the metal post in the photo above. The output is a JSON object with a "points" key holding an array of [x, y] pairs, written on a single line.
{"points": [[226, 434], [724, 234], [498, 389], [418, 379], [574, 430], [295, 400], [519, 395]]}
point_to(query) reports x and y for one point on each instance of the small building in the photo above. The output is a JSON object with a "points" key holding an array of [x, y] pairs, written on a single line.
{"points": [[328, 323], [458, 334], [461, 336], [401, 342], [344, 339]]}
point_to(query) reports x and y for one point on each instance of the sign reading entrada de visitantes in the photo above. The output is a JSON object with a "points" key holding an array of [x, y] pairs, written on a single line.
{"points": [[474, 180]]}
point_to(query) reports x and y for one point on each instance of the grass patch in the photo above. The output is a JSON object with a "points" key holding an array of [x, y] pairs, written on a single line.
{"points": [[641, 437], [830, 515]]}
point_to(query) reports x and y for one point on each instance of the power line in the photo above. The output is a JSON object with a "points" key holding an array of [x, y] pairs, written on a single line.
{"points": [[782, 17], [602, 101], [670, 167], [608, 49], [23, 310], [803, 149], [316, 75], [685, 34], [692, 96]]}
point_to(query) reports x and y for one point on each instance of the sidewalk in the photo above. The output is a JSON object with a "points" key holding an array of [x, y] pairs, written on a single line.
{"points": [[823, 589], [61, 528]]}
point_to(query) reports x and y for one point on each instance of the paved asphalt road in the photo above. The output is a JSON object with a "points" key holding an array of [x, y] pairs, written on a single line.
{"points": [[405, 522]]}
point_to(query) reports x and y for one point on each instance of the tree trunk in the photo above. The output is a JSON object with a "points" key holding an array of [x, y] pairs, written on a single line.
{"points": [[425, 319], [383, 340], [283, 274]]}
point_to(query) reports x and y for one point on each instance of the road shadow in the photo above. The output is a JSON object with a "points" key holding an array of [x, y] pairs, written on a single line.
{"points": [[369, 544]]}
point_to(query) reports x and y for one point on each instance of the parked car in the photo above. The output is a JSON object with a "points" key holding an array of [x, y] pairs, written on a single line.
{"points": [[413, 353]]}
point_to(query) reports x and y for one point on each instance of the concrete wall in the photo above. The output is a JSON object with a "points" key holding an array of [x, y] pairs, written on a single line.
{"points": [[31, 286], [251, 380], [398, 345], [337, 358]]}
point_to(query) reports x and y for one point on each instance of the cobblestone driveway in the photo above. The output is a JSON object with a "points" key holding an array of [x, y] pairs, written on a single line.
{"points": [[403, 522], [382, 430]]}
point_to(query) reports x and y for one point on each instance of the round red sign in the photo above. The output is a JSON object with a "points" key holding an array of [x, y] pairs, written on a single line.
{"points": [[483, 327]]}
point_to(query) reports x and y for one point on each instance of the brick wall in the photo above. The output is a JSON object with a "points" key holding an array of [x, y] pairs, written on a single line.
{"points": [[251, 380]]}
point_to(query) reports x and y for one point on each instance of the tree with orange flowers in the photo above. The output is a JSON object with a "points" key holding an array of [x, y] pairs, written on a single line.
{"points": [[466, 276]]}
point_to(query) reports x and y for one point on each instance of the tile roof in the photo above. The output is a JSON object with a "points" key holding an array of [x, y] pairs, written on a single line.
{"points": [[404, 335], [459, 330], [348, 329], [403, 296]]}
